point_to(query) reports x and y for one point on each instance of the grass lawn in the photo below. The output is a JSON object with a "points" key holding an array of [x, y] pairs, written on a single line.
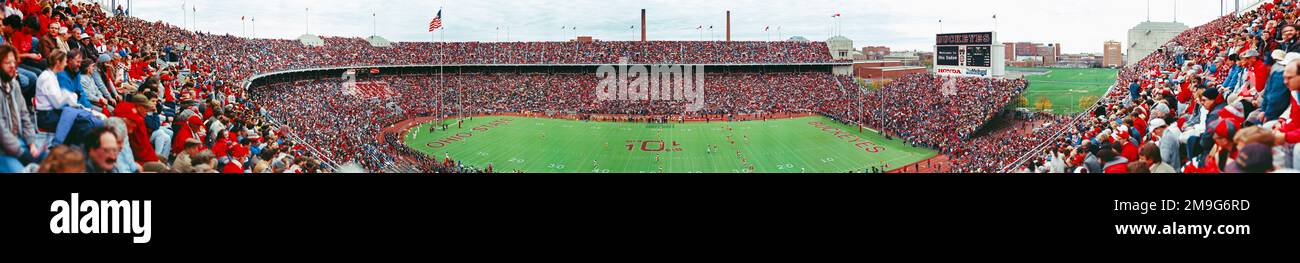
{"points": [[811, 144], [1064, 87]]}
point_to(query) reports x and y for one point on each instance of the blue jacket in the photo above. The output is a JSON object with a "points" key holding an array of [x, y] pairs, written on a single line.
{"points": [[1230, 82], [1275, 98], [1133, 88], [66, 82]]}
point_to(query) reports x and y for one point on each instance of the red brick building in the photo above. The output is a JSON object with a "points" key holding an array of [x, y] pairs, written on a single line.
{"points": [[883, 69]]}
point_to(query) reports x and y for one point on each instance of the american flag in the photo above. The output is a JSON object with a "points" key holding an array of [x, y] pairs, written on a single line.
{"points": [[437, 22]]}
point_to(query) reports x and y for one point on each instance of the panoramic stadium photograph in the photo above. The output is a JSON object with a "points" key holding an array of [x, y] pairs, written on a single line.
{"points": [[664, 86]]}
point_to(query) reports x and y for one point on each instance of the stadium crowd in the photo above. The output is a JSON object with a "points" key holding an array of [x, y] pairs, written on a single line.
{"points": [[89, 92], [127, 95], [1220, 97], [358, 111], [939, 112]]}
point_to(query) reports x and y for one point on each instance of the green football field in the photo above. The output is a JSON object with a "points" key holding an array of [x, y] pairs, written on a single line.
{"points": [[1065, 87], [806, 144]]}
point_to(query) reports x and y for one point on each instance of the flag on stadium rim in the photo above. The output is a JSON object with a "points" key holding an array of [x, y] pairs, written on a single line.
{"points": [[836, 15], [437, 21], [766, 28]]}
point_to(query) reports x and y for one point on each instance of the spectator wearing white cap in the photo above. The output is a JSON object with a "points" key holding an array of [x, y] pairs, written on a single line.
{"points": [[1166, 139], [61, 37]]}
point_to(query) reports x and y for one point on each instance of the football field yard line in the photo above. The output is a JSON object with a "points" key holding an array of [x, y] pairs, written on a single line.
{"points": [[791, 150]]}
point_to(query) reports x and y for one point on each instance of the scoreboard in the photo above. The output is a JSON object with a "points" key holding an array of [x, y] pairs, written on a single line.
{"points": [[969, 54], [978, 56]]}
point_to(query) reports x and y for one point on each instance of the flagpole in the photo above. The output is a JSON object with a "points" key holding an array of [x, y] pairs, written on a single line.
{"points": [[442, 78]]}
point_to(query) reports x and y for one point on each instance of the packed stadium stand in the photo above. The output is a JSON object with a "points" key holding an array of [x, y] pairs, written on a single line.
{"points": [[105, 92], [1216, 98]]}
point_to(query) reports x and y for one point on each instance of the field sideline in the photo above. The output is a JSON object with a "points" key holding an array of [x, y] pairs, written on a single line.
{"points": [[804, 144], [1064, 87]]}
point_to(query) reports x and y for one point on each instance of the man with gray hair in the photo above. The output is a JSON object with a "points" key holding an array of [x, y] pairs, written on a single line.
{"points": [[1165, 135], [1288, 131], [125, 158]]}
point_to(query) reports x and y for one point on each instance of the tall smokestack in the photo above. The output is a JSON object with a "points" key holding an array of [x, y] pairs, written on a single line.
{"points": [[642, 25], [728, 25]]}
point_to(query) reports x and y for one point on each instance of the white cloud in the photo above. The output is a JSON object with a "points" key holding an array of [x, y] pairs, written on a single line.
{"points": [[1080, 26]]}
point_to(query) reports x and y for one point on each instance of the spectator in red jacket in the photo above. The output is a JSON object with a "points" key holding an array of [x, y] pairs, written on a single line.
{"points": [[238, 156], [133, 112], [1111, 161]]}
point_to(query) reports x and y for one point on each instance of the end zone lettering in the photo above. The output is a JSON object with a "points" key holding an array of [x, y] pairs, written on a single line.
{"points": [[463, 135], [116, 217], [849, 137]]}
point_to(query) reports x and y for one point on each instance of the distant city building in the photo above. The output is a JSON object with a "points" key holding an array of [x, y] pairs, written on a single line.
{"points": [[875, 53], [908, 58], [1085, 60], [1113, 54], [1148, 36], [1029, 54], [798, 39]]}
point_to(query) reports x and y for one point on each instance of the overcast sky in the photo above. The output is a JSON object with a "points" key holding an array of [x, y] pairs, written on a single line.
{"points": [[1080, 26]]}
